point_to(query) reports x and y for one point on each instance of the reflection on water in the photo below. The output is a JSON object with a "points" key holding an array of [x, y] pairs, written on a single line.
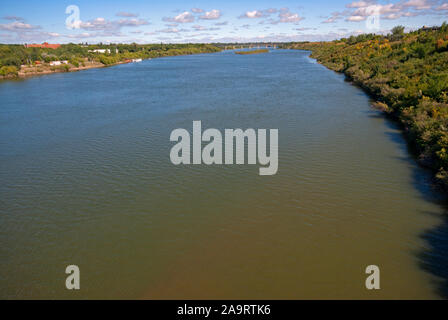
{"points": [[87, 180]]}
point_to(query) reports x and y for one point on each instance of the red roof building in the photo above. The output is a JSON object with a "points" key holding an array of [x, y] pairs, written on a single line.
{"points": [[43, 45]]}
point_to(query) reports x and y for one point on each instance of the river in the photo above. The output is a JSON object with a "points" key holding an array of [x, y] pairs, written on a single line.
{"points": [[86, 179]]}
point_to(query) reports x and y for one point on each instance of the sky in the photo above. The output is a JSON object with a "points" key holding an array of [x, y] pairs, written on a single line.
{"points": [[147, 21]]}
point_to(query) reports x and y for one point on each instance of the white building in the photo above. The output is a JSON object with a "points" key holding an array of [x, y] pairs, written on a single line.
{"points": [[58, 63], [102, 50]]}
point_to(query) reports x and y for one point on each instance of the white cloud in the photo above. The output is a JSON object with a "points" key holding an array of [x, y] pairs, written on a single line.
{"points": [[18, 31], [305, 29], [172, 30], [360, 4], [252, 14], [330, 20], [17, 26], [199, 28], [132, 22], [79, 35], [356, 18], [99, 24], [286, 16], [202, 28], [418, 4], [197, 10], [360, 10], [444, 6], [211, 15], [184, 17], [96, 24]]}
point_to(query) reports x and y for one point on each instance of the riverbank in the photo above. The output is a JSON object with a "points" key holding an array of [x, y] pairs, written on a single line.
{"points": [[405, 73], [18, 61], [252, 52], [29, 71]]}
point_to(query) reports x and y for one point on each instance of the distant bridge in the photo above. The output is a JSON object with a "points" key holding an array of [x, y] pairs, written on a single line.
{"points": [[235, 46]]}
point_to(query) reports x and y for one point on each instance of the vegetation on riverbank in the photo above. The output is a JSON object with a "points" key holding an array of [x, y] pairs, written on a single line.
{"points": [[407, 75], [17, 60], [252, 51]]}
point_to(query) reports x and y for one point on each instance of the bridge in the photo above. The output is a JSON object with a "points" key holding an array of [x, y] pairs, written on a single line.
{"points": [[235, 46]]}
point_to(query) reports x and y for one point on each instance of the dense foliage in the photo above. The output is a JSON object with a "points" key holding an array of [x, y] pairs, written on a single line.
{"points": [[13, 56], [407, 73]]}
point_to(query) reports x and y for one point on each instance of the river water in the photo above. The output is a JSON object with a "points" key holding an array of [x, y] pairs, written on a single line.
{"points": [[86, 179]]}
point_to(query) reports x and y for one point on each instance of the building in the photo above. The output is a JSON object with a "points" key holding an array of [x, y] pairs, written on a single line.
{"points": [[43, 45], [426, 28], [58, 63], [102, 50]]}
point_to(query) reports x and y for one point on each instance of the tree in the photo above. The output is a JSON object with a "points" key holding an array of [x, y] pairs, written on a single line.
{"points": [[398, 30], [397, 33]]}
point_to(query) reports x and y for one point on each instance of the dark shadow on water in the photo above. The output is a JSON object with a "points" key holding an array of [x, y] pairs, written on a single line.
{"points": [[433, 259]]}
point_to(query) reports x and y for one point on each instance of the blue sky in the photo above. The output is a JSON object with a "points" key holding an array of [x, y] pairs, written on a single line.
{"points": [[209, 21]]}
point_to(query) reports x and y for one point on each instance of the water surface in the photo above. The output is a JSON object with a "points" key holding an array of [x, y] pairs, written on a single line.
{"points": [[86, 179]]}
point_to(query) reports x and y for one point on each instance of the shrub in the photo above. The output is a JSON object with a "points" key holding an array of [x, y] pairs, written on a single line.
{"points": [[8, 70]]}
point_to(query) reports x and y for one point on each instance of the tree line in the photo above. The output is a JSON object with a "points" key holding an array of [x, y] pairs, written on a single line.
{"points": [[13, 56]]}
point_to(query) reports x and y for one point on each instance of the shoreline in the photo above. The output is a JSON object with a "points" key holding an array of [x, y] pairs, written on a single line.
{"points": [[23, 73], [439, 184], [252, 52]]}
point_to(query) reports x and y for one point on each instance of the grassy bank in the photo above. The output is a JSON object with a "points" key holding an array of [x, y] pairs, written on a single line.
{"points": [[19, 61], [252, 51], [407, 75]]}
